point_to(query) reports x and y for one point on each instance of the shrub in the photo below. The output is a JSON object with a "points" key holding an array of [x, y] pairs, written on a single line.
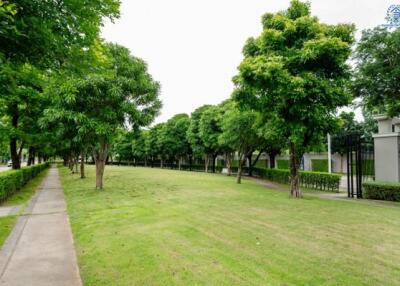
{"points": [[282, 164], [381, 191], [312, 180], [319, 165], [13, 180]]}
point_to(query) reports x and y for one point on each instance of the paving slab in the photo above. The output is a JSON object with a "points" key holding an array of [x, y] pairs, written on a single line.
{"points": [[40, 249]]}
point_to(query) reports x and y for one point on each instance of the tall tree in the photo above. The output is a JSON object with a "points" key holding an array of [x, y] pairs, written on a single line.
{"points": [[139, 148], [209, 131], [378, 70], [124, 94], [239, 130], [193, 134], [173, 137], [153, 148], [296, 70], [41, 35]]}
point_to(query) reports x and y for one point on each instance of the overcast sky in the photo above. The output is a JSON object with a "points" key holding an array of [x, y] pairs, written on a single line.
{"points": [[193, 47]]}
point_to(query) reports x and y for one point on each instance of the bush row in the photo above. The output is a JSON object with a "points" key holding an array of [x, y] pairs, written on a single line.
{"points": [[313, 180], [381, 191], [13, 180]]}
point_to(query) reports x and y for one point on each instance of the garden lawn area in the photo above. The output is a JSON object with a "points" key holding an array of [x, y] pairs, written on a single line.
{"points": [[163, 227], [21, 197]]}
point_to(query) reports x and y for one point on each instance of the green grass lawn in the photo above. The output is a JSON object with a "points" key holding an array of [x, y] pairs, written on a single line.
{"points": [[163, 227], [19, 198]]}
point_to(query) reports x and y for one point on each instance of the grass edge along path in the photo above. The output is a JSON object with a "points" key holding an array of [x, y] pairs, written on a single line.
{"points": [[164, 227], [22, 197]]}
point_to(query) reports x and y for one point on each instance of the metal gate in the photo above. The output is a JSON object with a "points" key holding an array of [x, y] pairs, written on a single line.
{"points": [[360, 164]]}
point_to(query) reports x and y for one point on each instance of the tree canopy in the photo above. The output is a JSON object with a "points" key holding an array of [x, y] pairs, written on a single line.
{"points": [[378, 70], [296, 70]]}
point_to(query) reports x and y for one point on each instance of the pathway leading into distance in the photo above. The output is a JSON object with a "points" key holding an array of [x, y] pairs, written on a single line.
{"points": [[40, 249]]}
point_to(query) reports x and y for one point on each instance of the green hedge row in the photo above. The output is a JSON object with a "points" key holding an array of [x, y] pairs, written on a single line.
{"points": [[381, 191], [13, 180], [312, 180]]}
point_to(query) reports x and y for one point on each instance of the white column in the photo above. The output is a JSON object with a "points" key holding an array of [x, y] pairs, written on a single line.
{"points": [[329, 154]]}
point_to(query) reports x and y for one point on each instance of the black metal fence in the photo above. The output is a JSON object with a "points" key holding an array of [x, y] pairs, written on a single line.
{"points": [[360, 164]]}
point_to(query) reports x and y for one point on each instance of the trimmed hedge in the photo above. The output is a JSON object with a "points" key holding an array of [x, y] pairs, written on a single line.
{"points": [[319, 165], [312, 180], [282, 164], [13, 180], [381, 191]]}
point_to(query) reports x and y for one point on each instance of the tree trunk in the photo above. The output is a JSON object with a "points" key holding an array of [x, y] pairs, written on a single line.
{"points": [[179, 163], [65, 161], [15, 155], [294, 164], [190, 162], [239, 172], [100, 158], [249, 157], [229, 163], [99, 173], [207, 159], [82, 165], [214, 158], [272, 160], [145, 161], [76, 158], [257, 158], [70, 163], [31, 155]]}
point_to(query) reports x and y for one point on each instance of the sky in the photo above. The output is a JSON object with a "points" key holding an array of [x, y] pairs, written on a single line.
{"points": [[193, 47]]}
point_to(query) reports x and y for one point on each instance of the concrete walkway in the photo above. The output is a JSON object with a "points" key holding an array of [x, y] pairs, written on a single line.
{"points": [[40, 249]]}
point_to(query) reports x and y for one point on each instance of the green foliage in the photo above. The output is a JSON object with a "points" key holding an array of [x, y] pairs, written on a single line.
{"points": [[45, 33], [312, 180], [282, 164], [295, 73], [381, 191], [122, 145], [173, 136], [121, 93], [210, 129], [193, 133], [12, 181], [319, 165], [378, 70], [239, 130]]}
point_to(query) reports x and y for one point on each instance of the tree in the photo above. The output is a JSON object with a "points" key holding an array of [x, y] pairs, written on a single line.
{"points": [[239, 130], [20, 101], [377, 74], [225, 145], [209, 131], [193, 133], [38, 37], [173, 137], [139, 148], [273, 141], [295, 72], [123, 94], [153, 148]]}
